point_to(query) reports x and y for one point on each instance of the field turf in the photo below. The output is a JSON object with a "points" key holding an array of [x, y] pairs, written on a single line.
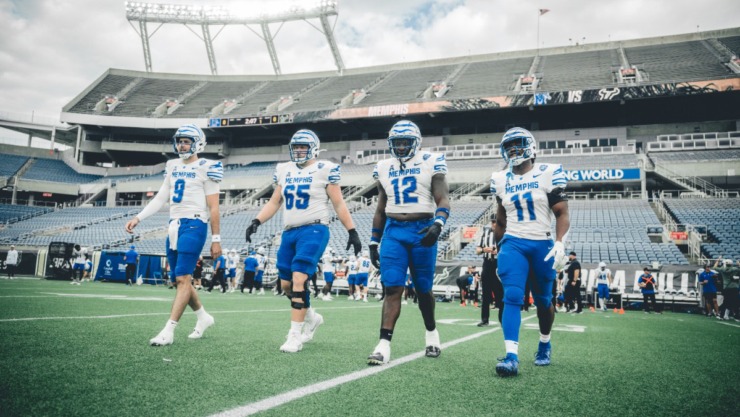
{"points": [[82, 350]]}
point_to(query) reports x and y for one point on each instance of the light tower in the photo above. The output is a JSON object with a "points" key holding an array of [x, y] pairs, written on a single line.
{"points": [[207, 16]]}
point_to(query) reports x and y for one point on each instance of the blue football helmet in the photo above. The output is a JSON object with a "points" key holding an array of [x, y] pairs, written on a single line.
{"points": [[521, 142], [404, 139], [193, 133], [304, 137]]}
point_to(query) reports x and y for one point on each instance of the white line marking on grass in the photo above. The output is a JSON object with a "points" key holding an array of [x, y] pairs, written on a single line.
{"points": [[728, 324], [118, 316], [286, 397]]}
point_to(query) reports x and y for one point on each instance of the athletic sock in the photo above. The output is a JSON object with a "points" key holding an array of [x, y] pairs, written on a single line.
{"points": [[201, 313], [512, 347], [386, 334], [544, 338], [384, 343], [170, 326], [296, 327]]}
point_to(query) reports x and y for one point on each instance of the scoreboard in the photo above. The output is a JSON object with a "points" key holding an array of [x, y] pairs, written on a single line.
{"points": [[250, 120]]}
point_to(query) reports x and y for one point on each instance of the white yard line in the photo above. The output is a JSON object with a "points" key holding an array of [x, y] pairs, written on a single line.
{"points": [[118, 316], [728, 324], [286, 397]]}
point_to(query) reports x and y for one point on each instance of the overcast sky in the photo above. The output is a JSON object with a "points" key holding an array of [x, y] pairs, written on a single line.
{"points": [[50, 50]]}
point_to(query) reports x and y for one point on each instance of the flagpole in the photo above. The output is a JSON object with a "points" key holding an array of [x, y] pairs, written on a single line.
{"points": [[539, 14]]}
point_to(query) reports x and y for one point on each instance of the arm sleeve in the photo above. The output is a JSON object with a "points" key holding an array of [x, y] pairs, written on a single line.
{"points": [[559, 180], [492, 185], [440, 165], [158, 201], [335, 174]]}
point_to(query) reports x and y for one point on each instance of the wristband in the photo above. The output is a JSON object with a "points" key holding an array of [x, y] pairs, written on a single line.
{"points": [[443, 210], [374, 239], [374, 230], [215, 238], [373, 243], [440, 220]]}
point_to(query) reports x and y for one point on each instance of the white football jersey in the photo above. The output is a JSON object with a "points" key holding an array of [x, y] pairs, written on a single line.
{"points": [[327, 263], [524, 197], [409, 190], [261, 259], [602, 277], [364, 265], [79, 256], [232, 261], [304, 191], [352, 267], [189, 184]]}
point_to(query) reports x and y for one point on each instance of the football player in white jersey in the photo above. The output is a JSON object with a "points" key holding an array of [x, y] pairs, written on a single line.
{"points": [[603, 282], [363, 273], [327, 266], [352, 278], [528, 195], [303, 188], [261, 263], [191, 187], [78, 267], [232, 261], [413, 206]]}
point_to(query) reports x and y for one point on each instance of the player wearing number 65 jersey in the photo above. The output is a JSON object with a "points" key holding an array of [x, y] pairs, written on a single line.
{"points": [[191, 188], [303, 188], [528, 195], [413, 207]]}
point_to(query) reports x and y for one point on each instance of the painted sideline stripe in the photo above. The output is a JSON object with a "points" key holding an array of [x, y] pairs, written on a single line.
{"points": [[286, 397], [118, 316], [728, 324]]}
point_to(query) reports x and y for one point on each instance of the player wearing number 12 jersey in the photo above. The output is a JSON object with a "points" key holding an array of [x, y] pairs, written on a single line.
{"points": [[413, 206], [528, 195], [303, 188], [191, 187]]}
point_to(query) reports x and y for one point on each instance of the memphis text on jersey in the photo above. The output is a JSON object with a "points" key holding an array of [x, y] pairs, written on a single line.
{"points": [[522, 187]]}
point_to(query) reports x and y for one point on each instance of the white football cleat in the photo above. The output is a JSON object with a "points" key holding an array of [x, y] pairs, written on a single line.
{"points": [[433, 347], [293, 344], [381, 354], [309, 328], [164, 338], [201, 326]]}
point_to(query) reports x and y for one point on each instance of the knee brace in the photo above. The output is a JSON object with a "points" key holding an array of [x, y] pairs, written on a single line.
{"points": [[297, 292], [514, 296]]}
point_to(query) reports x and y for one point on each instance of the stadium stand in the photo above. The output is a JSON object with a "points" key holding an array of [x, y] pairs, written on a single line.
{"points": [[732, 42], [677, 61], [215, 92], [11, 213], [577, 70], [149, 94], [720, 216], [56, 171], [403, 85], [696, 156], [110, 85], [331, 91], [488, 78], [10, 164]]}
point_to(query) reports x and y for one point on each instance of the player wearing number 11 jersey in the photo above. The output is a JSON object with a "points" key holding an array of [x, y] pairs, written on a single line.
{"points": [[528, 195], [303, 188]]}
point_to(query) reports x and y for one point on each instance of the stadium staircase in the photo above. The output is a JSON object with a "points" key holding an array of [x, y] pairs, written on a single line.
{"points": [[470, 189], [12, 181], [689, 182], [356, 192]]}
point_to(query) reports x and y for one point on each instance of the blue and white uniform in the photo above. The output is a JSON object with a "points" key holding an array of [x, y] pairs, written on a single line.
{"points": [[231, 263], [327, 265], [528, 237], [306, 213], [363, 270], [185, 187], [79, 259], [602, 282], [352, 271], [409, 190], [261, 260]]}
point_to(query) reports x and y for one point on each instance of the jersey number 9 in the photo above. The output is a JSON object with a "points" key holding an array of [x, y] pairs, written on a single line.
{"points": [[179, 189]]}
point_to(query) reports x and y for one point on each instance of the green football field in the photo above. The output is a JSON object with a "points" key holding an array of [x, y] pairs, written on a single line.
{"points": [[82, 350]]}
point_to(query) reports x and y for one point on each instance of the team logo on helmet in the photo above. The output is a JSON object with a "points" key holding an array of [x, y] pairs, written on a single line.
{"points": [[518, 145], [195, 134], [404, 139], [304, 137]]}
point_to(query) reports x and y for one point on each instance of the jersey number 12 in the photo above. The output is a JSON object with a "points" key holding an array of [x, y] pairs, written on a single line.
{"points": [[410, 184]]}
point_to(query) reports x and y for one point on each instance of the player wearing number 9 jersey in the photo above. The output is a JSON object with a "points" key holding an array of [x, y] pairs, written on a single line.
{"points": [[413, 206], [303, 188], [191, 188], [528, 196]]}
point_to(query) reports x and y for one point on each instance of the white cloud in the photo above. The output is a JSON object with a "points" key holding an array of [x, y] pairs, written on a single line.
{"points": [[51, 50]]}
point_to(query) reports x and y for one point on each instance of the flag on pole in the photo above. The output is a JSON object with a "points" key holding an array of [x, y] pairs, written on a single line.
{"points": [[543, 11]]}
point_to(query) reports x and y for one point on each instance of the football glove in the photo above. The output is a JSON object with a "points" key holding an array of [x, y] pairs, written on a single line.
{"points": [[432, 234], [354, 241], [251, 230], [374, 255], [558, 253]]}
